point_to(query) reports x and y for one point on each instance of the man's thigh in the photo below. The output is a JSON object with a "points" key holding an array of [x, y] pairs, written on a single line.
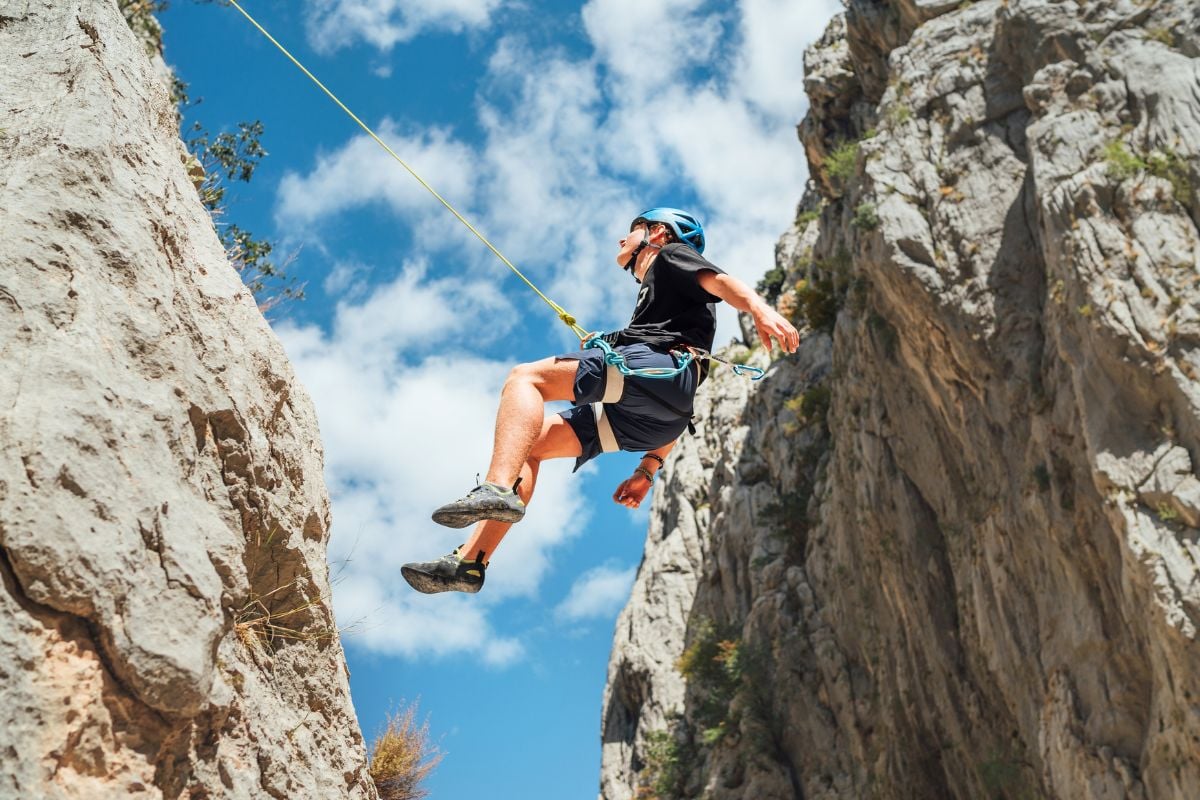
{"points": [[557, 440]]}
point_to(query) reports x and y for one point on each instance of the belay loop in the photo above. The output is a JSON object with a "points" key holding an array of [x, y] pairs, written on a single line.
{"points": [[684, 358]]}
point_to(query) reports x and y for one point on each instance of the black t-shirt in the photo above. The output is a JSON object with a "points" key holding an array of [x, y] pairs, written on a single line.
{"points": [[672, 308]]}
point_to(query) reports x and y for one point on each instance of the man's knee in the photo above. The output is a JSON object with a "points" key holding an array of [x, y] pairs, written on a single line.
{"points": [[554, 380], [522, 375]]}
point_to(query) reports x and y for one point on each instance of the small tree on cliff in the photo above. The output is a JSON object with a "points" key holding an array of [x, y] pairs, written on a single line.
{"points": [[227, 156]]}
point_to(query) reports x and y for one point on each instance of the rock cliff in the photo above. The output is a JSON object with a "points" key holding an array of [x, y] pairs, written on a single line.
{"points": [[950, 548], [166, 629]]}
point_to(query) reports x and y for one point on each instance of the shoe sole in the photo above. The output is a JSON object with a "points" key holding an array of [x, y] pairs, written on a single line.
{"points": [[461, 518], [427, 584]]}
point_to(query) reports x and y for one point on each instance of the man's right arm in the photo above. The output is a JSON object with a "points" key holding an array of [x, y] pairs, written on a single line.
{"points": [[769, 322]]}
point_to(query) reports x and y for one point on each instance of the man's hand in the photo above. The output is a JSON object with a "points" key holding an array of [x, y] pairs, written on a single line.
{"points": [[770, 323], [632, 491]]}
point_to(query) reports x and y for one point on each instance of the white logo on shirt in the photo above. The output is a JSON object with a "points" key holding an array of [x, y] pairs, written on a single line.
{"points": [[641, 301]]}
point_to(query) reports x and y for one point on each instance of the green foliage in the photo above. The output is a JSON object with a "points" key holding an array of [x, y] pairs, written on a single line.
{"points": [[820, 299], [1161, 34], [1121, 163], [712, 666], [899, 113], [1041, 476], [885, 332], [842, 160], [811, 406], [808, 216], [664, 760], [226, 156], [819, 302], [865, 217], [234, 156], [1166, 513], [139, 14], [1170, 165], [1165, 163], [771, 284], [217, 159], [1005, 774]]}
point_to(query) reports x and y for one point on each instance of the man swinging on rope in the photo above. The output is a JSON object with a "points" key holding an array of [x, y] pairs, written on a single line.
{"points": [[675, 311]]}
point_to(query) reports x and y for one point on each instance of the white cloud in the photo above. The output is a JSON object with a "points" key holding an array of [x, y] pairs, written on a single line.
{"points": [[362, 173], [383, 24], [405, 429], [774, 34], [649, 45], [599, 592], [346, 278]]}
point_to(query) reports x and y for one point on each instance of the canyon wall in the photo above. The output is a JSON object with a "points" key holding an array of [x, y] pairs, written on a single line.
{"points": [[949, 549], [164, 596]]}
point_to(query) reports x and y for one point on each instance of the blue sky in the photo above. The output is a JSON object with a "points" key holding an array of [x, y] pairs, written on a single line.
{"points": [[549, 125]]}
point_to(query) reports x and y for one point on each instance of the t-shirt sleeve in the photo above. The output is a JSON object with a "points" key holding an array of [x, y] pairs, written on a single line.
{"points": [[686, 265]]}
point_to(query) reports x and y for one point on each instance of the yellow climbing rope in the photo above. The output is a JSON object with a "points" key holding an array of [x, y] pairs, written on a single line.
{"points": [[559, 310]]}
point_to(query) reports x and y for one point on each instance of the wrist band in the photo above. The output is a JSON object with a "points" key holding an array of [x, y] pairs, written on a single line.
{"points": [[649, 475], [661, 463]]}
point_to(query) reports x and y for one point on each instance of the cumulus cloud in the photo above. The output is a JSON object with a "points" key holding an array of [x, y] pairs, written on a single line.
{"points": [[648, 46], [598, 593], [771, 54], [403, 431], [333, 24], [361, 173]]}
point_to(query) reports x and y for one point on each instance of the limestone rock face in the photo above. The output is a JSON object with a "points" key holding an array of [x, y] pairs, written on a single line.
{"points": [[951, 544], [165, 627]]}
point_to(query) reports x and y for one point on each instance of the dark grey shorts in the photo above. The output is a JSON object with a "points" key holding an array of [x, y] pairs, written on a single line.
{"points": [[613, 412]]}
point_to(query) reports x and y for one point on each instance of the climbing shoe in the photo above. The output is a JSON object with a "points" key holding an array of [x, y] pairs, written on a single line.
{"points": [[485, 501], [450, 573]]}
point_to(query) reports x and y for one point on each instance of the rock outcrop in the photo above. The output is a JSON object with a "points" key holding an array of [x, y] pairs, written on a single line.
{"points": [[164, 597], [950, 549]]}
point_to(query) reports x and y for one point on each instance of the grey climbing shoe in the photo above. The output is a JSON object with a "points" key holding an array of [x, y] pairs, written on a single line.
{"points": [[485, 501], [450, 573]]}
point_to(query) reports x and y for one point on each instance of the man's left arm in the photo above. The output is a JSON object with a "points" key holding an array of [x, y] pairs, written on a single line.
{"points": [[769, 322], [633, 489]]}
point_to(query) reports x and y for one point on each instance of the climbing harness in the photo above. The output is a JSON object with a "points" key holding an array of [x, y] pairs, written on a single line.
{"points": [[610, 356], [684, 358]]}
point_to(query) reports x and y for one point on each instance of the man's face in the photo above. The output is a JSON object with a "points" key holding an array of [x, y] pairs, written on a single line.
{"points": [[637, 234]]}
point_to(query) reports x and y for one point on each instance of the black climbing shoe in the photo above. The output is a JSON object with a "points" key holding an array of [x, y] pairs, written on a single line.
{"points": [[450, 573], [485, 501]]}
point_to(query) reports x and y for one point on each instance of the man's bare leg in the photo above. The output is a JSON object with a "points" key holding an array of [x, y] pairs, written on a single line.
{"points": [[519, 421], [556, 439]]}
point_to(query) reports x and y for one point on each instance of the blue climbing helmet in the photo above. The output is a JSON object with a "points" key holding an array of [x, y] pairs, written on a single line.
{"points": [[686, 228]]}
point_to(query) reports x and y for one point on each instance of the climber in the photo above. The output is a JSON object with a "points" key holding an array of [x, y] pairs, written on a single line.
{"points": [[675, 311]]}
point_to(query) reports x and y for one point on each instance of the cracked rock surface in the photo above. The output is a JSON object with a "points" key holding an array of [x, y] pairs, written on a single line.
{"points": [[165, 626], [953, 542]]}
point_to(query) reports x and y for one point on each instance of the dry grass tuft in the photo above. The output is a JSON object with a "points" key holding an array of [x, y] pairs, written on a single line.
{"points": [[402, 757]]}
